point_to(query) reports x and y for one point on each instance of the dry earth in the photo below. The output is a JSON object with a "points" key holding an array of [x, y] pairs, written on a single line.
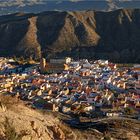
{"points": [[19, 122]]}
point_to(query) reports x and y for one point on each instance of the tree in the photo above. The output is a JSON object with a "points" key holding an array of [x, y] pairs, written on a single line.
{"points": [[129, 111]]}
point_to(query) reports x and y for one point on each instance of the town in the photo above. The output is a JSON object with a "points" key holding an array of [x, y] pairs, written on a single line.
{"points": [[92, 89]]}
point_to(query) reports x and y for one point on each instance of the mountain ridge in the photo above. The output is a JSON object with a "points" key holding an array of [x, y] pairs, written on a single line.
{"points": [[110, 35], [35, 6]]}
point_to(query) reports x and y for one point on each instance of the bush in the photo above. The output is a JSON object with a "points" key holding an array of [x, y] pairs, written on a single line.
{"points": [[129, 111], [10, 133], [107, 138], [8, 101]]}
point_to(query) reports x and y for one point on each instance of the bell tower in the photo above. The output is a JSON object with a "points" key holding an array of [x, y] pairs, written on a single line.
{"points": [[42, 65]]}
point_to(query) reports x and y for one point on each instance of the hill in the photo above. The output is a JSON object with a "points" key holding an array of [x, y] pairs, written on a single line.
{"points": [[89, 34], [19, 122]]}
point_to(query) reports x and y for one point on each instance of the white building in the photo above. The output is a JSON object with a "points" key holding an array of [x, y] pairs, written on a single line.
{"points": [[60, 61], [137, 68]]}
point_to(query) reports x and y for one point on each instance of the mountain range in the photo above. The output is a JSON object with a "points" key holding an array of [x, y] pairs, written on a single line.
{"points": [[12, 6], [112, 35]]}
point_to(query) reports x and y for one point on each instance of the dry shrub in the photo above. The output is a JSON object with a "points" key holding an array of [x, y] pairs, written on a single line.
{"points": [[10, 132], [8, 101]]}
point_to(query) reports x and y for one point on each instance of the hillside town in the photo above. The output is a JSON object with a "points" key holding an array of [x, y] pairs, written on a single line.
{"points": [[94, 89]]}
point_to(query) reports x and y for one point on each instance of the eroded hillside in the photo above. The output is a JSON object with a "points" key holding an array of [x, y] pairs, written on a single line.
{"points": [[19, 122], [106, 35]]}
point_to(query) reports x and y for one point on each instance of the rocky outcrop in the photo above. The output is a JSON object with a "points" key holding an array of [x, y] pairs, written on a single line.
{"points": [[86, 34], [19, 122]]}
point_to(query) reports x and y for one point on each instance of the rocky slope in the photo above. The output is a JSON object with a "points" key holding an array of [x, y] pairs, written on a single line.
{"points": [[106, 35], [19, 122]]}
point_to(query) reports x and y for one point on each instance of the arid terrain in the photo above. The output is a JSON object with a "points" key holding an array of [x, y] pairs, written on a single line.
{"points": [[97, 35], [18, 121]]}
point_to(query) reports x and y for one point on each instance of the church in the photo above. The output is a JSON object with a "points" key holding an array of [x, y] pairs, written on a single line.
{"points": [[54, 65]]}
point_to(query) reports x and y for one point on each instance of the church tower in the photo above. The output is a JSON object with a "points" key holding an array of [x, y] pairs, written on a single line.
{"points": [[42, 65]]}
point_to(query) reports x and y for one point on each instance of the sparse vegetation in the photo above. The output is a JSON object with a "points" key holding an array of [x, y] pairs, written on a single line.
{"points": [[129, 111], [10, 132], [8, 101], [37, 36], [22, 60], [107, 138], [125, 65], [10, 122]]}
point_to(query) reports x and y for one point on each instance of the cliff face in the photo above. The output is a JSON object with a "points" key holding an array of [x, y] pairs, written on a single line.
{"points": [[86, 34]]}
